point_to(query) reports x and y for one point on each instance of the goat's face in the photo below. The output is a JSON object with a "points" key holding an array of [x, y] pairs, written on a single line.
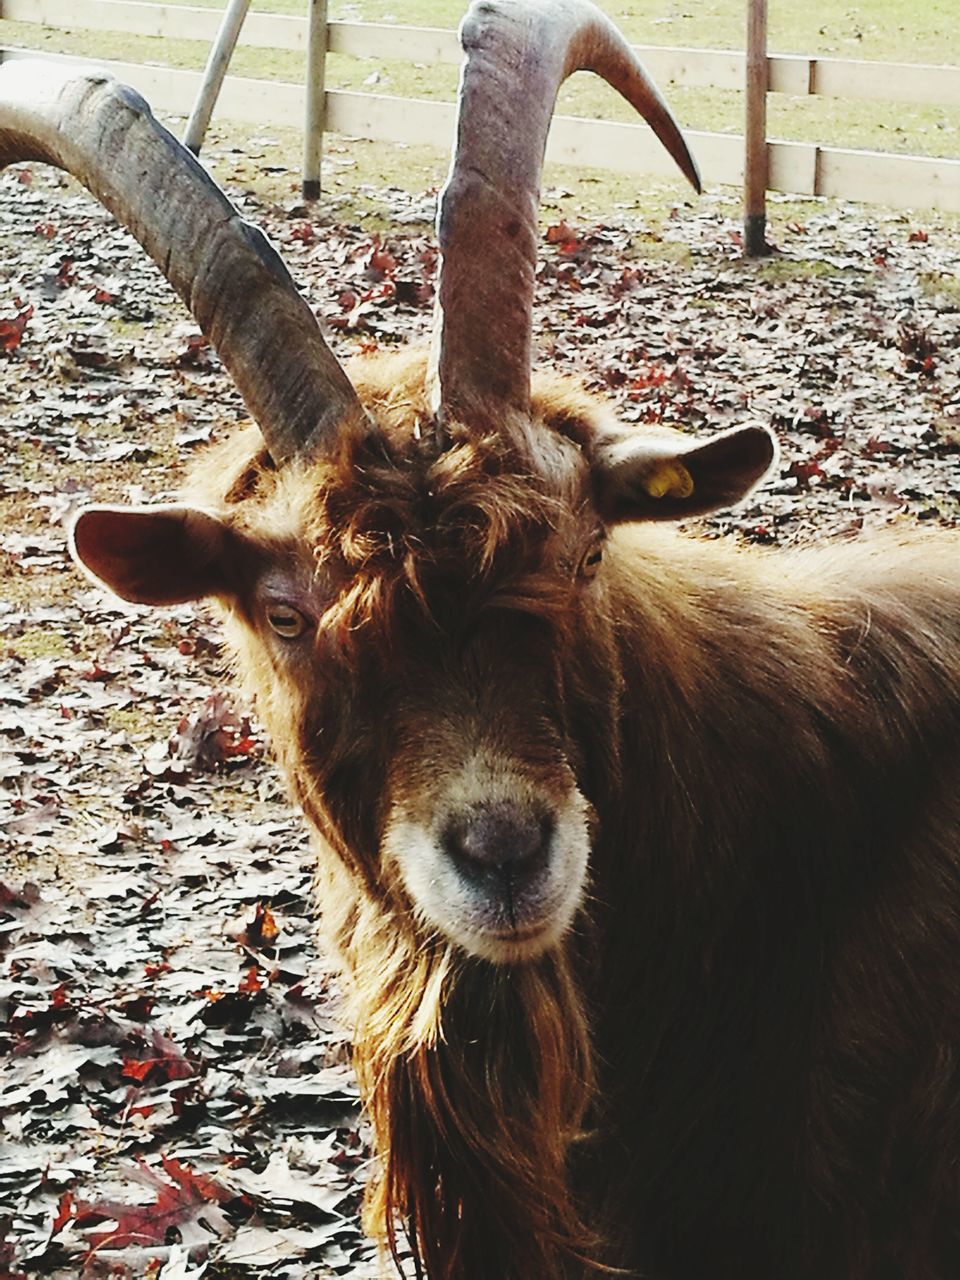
{"points": [[452, 580], [423, 626]]}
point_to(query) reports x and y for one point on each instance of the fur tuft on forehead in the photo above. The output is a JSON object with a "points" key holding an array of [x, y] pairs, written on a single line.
{"points": [[477, 521], [466, 532], [466, 509]]}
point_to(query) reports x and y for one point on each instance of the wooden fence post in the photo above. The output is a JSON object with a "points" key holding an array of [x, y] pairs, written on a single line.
{"points": [[755, 134], [316, 98], [213, 73]]}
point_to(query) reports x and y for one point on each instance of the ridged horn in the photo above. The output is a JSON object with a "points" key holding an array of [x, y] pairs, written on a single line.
{"points": [[518, 53], [225, 270]]}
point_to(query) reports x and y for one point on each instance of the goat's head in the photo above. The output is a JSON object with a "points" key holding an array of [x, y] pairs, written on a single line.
{"points": [[410, 561]]}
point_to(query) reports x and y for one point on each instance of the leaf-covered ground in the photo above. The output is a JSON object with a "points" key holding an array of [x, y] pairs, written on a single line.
{"points": [[175, 1096]]}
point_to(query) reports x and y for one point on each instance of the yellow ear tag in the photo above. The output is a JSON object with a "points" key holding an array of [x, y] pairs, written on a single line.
{"points": [[668, 480]]}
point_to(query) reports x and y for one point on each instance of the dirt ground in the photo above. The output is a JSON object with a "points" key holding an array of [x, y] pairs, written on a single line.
{"points": [[176, 1097]]}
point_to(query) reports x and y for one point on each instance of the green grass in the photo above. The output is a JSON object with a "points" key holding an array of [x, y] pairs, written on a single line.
{"points": [[941, 287], [138, 724], [885, 30], [787, 270], [36, 643]]}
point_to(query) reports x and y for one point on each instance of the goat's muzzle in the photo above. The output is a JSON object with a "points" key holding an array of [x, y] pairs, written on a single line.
{"points": [[503, 849], [497, 865]]}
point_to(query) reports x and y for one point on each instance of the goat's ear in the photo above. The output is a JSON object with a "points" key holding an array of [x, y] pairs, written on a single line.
{"points": [[659, 474], [153, 555]]}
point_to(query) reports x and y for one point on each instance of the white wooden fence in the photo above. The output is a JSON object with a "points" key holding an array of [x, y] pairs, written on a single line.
{"points": [[797, 167]]}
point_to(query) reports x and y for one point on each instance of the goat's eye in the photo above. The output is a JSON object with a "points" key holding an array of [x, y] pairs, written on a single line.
{"points": [[286, 621], [592, 559]]}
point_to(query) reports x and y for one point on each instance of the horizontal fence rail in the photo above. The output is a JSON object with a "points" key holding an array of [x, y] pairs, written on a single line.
{"points": [[796, 167]]}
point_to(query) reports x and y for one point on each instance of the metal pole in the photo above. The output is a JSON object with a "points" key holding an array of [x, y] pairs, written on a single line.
{"points": [[755, 134], [215, 70], [316, 98]]}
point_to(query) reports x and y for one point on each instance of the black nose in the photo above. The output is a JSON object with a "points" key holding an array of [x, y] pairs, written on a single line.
{"points": [[499, 843]]}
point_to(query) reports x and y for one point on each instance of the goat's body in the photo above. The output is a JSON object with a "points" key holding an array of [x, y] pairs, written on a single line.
{"points": [[778, 990], [741, 1061]]}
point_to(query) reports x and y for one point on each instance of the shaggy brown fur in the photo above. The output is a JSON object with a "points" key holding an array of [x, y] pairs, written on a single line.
{"points": [[741, 1061]]}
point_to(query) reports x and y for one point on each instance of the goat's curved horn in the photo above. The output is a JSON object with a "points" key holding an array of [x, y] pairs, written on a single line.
{"points": [[518, 53], [224, 269]]}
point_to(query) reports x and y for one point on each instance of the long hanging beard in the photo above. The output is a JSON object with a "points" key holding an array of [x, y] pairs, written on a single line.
{"points": [[477, 1079]]}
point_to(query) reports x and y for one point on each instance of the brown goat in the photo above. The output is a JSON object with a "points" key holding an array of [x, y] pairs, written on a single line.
{"points": [[639, 851]]}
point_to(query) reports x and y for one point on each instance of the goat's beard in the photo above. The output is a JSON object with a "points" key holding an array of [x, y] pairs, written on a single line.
{"points": [[477, 1079]]}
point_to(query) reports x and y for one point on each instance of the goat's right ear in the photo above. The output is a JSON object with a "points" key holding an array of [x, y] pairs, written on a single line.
{"points": [[153, 555]]}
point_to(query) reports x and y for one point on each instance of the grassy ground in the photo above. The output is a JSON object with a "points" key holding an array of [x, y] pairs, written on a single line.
{"points": [[887, 30]]}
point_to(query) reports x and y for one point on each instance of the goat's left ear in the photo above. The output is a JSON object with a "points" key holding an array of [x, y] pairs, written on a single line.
{"points": [[658, 474], [164, 554]]}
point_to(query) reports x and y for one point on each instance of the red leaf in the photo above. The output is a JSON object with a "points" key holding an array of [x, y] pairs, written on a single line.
{"points": [[133, 1070], [263, 928], [98, 674], [163, 1064], [64, 1212], [28, 895], [251, 984], [562, 235], [199, 1184], [137, 1008], [11, 331], [212, 735], [182, 1198], [230, 746], [804, 472], [876, 445], [195, 351], [650, 375], [381, 263]]}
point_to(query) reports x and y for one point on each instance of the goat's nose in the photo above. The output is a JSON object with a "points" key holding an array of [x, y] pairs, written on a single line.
{"points": [[499, 841]]}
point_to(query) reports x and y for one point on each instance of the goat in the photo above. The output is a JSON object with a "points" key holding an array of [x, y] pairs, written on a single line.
{"points": [[639, 851]]}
